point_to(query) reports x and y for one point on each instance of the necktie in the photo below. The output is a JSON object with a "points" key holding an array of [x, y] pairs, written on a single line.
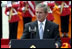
{"points": [[41, 31]]}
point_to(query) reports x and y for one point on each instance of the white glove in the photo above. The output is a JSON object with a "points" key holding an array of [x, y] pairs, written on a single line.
{"points": [[59, 6], [50, 11], [23, 8], [66, 6], [8, 13]]}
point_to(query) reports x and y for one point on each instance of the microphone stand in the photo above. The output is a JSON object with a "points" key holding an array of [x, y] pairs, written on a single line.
{"points": [[32, 31]]}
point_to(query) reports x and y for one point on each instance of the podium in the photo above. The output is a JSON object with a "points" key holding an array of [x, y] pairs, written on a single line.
{"points": [[33, 43]]}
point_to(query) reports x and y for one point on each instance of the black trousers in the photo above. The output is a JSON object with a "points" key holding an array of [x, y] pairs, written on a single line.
{"points": [[26, 20], [13, 30], [65, 24]]}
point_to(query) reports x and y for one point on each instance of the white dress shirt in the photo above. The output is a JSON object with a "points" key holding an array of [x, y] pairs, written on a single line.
{"points": [[43, 26]]}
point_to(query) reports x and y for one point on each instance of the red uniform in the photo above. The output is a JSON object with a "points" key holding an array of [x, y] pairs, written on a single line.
{"points": [[14, 17], [13, 22], [66, 10], [64, 17], [22, 7], [51, 4]]}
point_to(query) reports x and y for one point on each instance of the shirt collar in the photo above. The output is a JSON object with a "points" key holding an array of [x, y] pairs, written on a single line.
{"points": [[42, 22]]}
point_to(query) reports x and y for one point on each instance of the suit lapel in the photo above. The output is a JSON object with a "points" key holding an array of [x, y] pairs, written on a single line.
{"points": [[37, 31], [46, 30]]}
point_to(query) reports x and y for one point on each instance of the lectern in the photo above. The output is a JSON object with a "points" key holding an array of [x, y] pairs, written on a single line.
{"points": [[33, 43]]}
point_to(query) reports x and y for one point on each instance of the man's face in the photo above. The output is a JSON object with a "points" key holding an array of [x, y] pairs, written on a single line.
{"points": [[41, 15]]}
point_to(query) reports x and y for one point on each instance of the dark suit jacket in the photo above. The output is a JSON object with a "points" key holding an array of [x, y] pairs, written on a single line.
{"points": [[51, 31]]}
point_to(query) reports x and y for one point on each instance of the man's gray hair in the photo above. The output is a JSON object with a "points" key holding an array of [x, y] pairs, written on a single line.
{"points": [[40, 5]]}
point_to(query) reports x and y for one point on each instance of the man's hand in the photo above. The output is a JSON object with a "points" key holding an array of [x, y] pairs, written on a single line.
{"points": [[56, 45]]}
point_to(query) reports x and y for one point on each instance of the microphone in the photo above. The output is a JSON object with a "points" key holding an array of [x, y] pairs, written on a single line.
{"points": [[32, 30]]}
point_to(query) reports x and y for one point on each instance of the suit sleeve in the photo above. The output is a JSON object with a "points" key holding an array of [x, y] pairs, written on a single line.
{"points": [[26, 32], [57, 36]]}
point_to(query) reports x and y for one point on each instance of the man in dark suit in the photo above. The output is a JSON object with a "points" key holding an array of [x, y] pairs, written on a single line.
{"points": [[43, 29]]}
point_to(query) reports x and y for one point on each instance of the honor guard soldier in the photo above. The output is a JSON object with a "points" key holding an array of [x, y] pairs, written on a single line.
{"points": [[64, 13], [11, 12]]}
